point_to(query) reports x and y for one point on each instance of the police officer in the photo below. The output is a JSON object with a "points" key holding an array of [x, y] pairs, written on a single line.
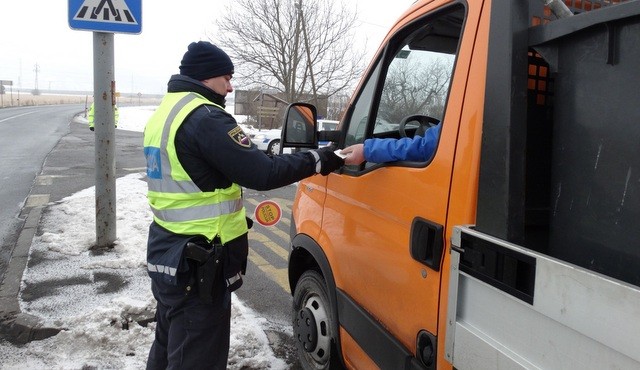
{"points": [[198, 160], [91, 115]]}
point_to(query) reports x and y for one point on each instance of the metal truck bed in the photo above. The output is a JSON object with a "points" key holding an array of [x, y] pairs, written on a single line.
{"points": [[518, 309]]}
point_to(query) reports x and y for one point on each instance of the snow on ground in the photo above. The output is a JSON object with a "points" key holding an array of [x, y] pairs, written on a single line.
{"points": [[97, 298]]}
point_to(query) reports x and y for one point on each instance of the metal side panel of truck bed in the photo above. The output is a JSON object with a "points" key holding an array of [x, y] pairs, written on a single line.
{"points": [[519, 309]]}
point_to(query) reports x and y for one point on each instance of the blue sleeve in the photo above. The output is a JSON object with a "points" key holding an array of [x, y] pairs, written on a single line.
{"points": [[418, 148]]}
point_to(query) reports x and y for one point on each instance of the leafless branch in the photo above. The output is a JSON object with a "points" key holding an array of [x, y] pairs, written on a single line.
{"points": [[266, 41]]}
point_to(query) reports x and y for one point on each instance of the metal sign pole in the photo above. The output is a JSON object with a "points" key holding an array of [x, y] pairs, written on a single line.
{"points": [[104, 123], [104, 17]]}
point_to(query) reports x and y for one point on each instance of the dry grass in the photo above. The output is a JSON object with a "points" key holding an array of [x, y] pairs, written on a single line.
{"points": [[8, 100]]}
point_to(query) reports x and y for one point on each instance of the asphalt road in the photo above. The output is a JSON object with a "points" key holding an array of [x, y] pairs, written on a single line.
{"points": [[27, 135], [266, 285]]}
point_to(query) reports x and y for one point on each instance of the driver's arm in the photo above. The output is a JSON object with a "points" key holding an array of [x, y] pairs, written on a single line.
{"points": [[418, 148]]}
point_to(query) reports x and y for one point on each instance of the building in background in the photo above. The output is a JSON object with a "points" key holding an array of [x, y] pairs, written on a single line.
{"points": [[265, 108]]}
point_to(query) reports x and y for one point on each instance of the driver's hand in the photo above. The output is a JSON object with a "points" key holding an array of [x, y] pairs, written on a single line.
{"points": [[354, 154]]}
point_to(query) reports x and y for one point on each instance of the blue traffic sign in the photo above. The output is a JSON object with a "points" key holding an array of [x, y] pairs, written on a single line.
{"points": [[117, 16]]}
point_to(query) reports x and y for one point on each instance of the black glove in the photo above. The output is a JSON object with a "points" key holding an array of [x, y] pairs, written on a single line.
{"points": [[249, 222], [91, 128], [328, 161]]}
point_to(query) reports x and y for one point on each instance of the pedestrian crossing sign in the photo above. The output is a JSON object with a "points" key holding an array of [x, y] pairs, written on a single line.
{"points": [[116, 16]]}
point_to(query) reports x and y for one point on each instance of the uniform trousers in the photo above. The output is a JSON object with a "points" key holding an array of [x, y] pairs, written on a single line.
{"points": [[190, 333]]}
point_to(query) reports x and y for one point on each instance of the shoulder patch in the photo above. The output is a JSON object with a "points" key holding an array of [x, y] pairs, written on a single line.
{"points": [[239, 137]]}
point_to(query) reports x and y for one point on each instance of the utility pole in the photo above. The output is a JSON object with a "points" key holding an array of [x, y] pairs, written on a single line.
{"points": [[36, 69], [19, 82], [133, 90]]}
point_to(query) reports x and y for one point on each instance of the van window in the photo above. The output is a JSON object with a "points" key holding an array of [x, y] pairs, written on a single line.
{"points": [[416, 81], [356, 131]]}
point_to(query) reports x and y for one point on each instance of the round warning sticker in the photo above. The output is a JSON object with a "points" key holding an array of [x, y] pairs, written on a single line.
{"points": [[268, 213]]}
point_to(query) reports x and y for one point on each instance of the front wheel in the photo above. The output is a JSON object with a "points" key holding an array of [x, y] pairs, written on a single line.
{"points": [[274, 147], [313, 324]]}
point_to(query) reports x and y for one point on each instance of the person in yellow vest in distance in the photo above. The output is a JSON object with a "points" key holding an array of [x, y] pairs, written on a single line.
{"points": [[91, 113]]}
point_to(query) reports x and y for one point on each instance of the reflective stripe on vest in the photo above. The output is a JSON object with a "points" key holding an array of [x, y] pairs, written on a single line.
{"points": [[198, 212], [177, 203], [162, 183]]}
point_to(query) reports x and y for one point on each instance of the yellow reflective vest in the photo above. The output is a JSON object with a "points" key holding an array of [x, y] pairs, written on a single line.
{"points": [[177, 203], [91, 115]]}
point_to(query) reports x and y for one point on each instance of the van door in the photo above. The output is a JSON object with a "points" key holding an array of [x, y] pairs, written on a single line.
{"points": [[383, 222]]}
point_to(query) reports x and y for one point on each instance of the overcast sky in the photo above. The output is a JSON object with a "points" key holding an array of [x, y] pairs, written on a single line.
{"points": [[37, 32]]}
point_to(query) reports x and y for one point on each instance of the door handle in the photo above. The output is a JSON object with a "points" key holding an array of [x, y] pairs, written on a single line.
{"points": [[427, 242]]}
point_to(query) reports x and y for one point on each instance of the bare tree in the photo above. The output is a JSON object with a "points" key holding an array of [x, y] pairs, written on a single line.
{"points": [[337, 105], [295, 47], [416, 87]]}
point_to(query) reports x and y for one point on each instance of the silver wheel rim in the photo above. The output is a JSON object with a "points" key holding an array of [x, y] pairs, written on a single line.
{"points": [[320, 354]]}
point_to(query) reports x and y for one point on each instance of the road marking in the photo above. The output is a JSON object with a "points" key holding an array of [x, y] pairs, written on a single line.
{"points": [[16, 116], [42, 180], [281, 234], [279, 276], [264, 240], [36, 200]]}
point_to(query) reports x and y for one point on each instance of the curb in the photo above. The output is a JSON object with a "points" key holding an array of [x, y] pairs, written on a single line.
{"points": [[16, 326]]}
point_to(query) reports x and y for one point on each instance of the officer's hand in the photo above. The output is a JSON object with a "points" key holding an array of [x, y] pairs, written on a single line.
{"points": [[329, 161], [91, 128]]}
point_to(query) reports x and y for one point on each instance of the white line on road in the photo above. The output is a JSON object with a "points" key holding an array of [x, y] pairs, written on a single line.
{"points": [[16, 116]]}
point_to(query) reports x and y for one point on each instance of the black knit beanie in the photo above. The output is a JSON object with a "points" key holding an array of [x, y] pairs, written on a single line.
{"points": [[204, 60]]}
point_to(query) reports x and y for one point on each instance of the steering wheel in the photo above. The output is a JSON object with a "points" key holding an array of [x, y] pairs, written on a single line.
{"points": [[424, 122]]}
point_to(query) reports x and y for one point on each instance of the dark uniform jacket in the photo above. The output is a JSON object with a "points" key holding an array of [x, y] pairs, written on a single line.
{"points": [[215, 155]]}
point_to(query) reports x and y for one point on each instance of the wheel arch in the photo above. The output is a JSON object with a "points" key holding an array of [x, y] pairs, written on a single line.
{"points": [[306, 254]]}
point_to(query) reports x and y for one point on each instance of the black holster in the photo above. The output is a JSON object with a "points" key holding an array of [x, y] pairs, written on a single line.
{"points": [[208, 265]]}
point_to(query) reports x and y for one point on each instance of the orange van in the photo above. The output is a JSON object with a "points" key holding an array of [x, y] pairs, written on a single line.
{"points": [[517, 244]]}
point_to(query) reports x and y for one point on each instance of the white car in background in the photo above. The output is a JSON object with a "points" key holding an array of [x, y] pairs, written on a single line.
{"points": [[266, 140], [269, 140], [326, 125], [246, 128]]}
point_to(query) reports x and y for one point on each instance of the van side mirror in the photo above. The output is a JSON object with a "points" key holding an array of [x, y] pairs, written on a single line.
{"points": [[300, 128]]}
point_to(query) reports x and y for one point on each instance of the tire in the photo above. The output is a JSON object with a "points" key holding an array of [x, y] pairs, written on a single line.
{"points": [[274, 147], [313, 324]]}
